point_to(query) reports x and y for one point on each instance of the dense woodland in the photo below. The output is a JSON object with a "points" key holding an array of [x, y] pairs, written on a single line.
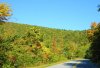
{"points": [[23, 45]]}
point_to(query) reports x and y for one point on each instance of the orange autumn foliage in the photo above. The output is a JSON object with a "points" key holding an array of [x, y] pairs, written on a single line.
{"points": [[91, 31], [93, 25]]}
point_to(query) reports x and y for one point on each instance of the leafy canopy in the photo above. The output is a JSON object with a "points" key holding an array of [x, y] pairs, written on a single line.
{"points": [[5, 11]]}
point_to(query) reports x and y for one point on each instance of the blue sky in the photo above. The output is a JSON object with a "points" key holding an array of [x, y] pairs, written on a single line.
{"points": [[61, 14]]}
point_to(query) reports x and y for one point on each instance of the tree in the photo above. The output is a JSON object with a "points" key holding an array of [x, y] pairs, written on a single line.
{"points": [[98, 8], [94, 36], [5, 12], [91, 31], [93, 25], [95, 46]]}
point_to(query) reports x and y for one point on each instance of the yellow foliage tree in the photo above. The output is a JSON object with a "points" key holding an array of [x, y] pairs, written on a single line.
{"points": [[5, 11]]}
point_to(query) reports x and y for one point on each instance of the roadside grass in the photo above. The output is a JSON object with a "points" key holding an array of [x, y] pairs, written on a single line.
{"points": [[48, 64], [51, 64]]}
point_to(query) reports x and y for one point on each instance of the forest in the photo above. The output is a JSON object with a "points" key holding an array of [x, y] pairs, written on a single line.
{"points": [[23, 45]]}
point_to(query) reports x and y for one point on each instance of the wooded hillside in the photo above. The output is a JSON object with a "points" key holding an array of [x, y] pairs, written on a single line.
{"points": [[24, 45]]}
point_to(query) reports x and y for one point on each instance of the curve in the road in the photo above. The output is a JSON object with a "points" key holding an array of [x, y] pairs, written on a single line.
{"points": [[84, 63]]}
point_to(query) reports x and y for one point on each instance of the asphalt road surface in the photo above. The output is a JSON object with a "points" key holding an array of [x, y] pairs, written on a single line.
{"points": [[84, 63]]}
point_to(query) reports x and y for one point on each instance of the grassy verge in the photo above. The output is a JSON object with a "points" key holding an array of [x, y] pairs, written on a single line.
{"points": [[51, 64]]}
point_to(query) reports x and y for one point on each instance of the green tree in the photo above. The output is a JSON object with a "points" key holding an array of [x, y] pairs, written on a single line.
{"points": [[94, 50], [99, 8], [95, 46]]}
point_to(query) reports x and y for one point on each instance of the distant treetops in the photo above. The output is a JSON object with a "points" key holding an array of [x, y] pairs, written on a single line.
{"points": [[5, 11]]}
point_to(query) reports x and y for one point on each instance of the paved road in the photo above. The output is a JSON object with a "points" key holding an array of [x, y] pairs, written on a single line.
{"points": [[84, 63]]}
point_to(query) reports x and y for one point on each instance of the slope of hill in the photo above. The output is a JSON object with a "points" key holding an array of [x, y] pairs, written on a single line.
{"points": [[23, 45]]}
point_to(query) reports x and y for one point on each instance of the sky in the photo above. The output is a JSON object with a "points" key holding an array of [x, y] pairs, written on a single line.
{"points": [[60, 14]]}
